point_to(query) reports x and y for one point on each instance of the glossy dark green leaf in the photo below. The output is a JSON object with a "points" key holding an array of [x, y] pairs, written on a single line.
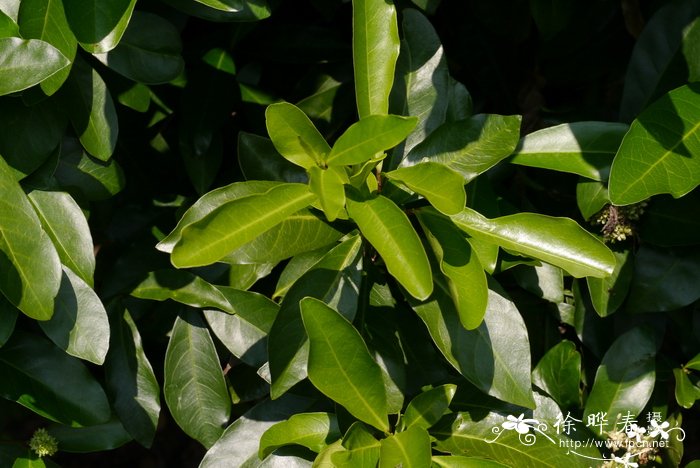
{"points": [[235, 10], [26, 62], [294, 135], [500, 342], [686, 393], [311, 430], [409, 449], [295, 269], [183, 287], [340, 364], [659, 154], [238, 446], [79, 324], [31, 267], [32, 366], [335, 279], [664, 279], [583, 148], [85, 177], [440, 185], [98, 27], [651, 63], [463, 272], [608, 294], [236, 223], [194, 385], [8, 318], [95, 438], [428, 407], [65, 223], [390, 232], [88, 103], [46, 20], [149, 51], [131, 382], [470, 146], [671, 222], [375, 49], [259, 160], [591, 197], [362, 449], [8, 26], [327, 185], [559, 374], [545, 281], [559, 241], [244, 331], [368, 137], [625, 378], [459, 106]]}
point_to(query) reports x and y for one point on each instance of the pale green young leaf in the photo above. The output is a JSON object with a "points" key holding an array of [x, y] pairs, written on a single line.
{"points": [[294, 135], [328, 186], [440, 185]]}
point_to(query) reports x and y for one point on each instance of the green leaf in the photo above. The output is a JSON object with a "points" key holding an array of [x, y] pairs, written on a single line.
{"points": [[130, 379], [559, 374], [625, 378], [90, 108], [79, 324], [8, 318], [371, 135], [671, 222], [583, 148], [32, 366], [25, 63], [608, 294], [362, 448], [340, 364], [559, 241], [85, 177], [236, 223], [463, 272], [428, 407], [454, 461], [238, 446], [137, 97], [408, 449], [245, 275], [194, 386], [237, 10], [244, 331], [65, 223], [375, 49], [545, 281], [295, 269], [46, 20], [311, 430], [591, 197], [664, 279], [327, 185], [390, 232], [470, 146], [335, 280], [221, 60], [440, 185], [294, 135], [259, 160], [659, 154], [149, 51], [500, 342], [97, 26], [8, 26], [686, 393], [183, 287], [95, 438], [29, 262]]}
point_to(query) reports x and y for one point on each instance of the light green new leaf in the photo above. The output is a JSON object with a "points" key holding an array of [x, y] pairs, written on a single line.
{"points": [[183, 287], [30, 264], [408, 449], [26, 62], [79, 324], [625, 378], [46, 20], [559, 241], [375, 49], [312, 430], [469, 146], [328, 186], [65, 223], [294, 135], [32, 366], [390, 232], [428, 407], [340, 364], [237, 222], [583, 148], [98, 25], [685, 392], [440, 185], [149, 51], [368, 137], [559, 374], [130, 379], [608, 294], [661, 151], [194, 386], [91, 110], [459, 263]]}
